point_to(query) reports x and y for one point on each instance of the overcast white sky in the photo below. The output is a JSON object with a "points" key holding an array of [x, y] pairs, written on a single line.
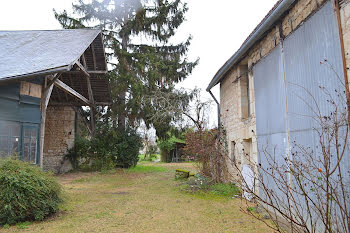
{"points": [[218, 28]]}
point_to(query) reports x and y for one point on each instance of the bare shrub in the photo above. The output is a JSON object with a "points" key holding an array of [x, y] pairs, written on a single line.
{"points": [[307, 188], [210, 150]]}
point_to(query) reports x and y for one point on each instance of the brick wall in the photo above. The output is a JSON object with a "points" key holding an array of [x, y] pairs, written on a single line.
{"points": [[59, 137], [242, 131]]}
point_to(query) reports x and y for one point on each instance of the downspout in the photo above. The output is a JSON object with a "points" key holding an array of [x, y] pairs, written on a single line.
{"points": [[218, 105]]}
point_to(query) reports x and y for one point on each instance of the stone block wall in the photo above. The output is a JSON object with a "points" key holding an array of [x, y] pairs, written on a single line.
{"points": [[59, 137], [240, 131]]}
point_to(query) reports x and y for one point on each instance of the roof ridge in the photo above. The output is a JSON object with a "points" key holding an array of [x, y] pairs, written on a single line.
{"points": [[273, 15], [53, 30]]}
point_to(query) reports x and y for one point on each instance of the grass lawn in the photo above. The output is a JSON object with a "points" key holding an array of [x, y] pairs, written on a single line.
{"points": [[143, 199]]}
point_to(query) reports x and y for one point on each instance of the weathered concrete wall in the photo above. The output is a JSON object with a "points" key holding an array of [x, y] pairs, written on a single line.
{"points": [[59, 137], [241, 131]]}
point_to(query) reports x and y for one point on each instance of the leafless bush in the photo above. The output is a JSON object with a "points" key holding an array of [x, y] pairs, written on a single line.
{"points": [[210, 150], [306, 189]]}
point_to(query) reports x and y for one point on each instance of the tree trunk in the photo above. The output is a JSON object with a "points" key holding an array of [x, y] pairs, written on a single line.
{"points": [[122, 94]]}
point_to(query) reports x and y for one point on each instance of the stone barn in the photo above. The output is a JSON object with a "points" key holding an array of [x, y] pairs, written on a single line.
{"points": [[274, 90], [261, 102], [45, 79]]}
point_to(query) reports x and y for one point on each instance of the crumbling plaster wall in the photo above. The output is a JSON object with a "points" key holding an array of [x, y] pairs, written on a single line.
{"points": [[240, 130], [59, 137]]}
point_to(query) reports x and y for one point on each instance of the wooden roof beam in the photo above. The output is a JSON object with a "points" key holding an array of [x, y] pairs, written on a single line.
{"points": [[67, 89], [51, 81], [93, 55], [90, 72], [87, 75], [82, 69]]}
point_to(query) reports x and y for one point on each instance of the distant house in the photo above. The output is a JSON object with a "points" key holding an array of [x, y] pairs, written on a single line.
{"points": [[45, 77], [263, 97], [174, 154]]}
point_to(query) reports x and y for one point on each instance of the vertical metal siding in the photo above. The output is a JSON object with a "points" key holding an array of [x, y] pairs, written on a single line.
{"points": [[281, 112], [269, 94], [305, 49], [270, 105], [313, 60]]}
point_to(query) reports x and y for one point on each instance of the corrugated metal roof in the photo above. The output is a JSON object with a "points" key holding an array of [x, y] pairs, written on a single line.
{"points": [[24, 53]]}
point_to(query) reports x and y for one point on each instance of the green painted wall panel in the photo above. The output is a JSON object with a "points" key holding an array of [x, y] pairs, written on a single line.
{"points": [[10, 91], [14, 107], [25, 110]]}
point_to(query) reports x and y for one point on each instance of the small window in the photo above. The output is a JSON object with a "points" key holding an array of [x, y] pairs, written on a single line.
{"points": [[10, 133], [4, 145], [247, 147], [30, 144], [233, 152], [245, 93]]}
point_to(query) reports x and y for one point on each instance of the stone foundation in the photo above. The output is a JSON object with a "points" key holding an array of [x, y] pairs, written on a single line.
{"points": [[59, 138]]}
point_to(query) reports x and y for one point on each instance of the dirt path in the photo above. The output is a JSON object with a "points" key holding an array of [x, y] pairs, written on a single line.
{"points": [[140, 201]]}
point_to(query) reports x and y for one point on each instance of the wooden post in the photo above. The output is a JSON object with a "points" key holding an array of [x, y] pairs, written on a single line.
{"points": [[336, 8], [45, 98], [91, 96]]}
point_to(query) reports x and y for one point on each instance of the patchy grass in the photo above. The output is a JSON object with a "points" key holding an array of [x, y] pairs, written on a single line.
{"points": [[154, 157], [22, 225], [226, 190], [211, 192], [141, 157], [134, 201], [146, 169]]}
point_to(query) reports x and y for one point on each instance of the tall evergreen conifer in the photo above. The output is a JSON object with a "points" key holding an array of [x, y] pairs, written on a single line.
{"points": [[137, 69]]}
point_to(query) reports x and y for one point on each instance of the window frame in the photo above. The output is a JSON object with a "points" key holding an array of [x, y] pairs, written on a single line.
{"points": [[11, 135], [21, 137], [244, 85], [37, 128]]}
